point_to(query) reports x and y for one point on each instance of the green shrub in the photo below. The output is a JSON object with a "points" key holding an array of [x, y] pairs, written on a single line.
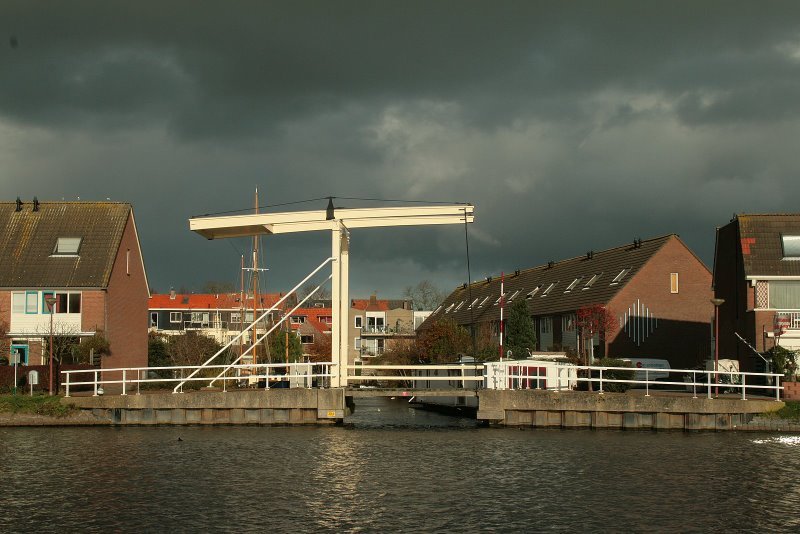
{"points": [[614, 387]]}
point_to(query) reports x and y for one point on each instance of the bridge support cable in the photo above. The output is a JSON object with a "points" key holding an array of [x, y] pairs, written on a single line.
{"points": [[274, 327], [177, 388]]}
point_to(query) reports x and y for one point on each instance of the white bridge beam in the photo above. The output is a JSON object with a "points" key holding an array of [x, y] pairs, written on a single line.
{"points": [[339, 223]]}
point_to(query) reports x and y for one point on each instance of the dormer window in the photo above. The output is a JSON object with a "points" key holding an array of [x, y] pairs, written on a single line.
{"points": [[591, 281], [533, 291], [573, 284], [67, 246], [617, 279], [791, 247]]}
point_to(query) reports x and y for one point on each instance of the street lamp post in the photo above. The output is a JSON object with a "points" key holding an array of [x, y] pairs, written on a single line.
{"points": [[50, 300], [717, 303]]}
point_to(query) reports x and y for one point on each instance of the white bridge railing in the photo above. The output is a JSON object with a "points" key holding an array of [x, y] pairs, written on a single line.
{"points": [[691, 380], [516, 377], [304, 375]]}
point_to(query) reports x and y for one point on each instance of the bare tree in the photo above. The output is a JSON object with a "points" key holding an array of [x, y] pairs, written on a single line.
{"points": [[425, 295], [217, 287], [322, 293]]}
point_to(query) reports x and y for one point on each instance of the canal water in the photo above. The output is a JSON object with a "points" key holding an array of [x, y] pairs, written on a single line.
{"points": [[395, 469]]}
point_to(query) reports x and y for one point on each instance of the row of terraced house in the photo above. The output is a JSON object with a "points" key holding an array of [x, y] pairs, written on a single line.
{"points": [[80, 264]]}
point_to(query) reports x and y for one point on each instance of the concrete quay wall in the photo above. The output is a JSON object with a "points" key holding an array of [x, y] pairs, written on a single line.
{"points": [[581, 409], [248, 407]]}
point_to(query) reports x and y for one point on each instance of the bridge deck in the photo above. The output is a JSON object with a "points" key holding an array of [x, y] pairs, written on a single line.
{"points": [[409, 392]]}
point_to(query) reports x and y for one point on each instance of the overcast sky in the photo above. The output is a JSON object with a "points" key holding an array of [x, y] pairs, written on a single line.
{"points": [[570, 126]]}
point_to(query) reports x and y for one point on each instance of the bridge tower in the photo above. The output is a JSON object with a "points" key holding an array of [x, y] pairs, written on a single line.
{"points": [[339, 222]]}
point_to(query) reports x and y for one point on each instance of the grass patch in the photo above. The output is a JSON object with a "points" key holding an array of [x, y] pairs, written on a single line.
{"points": [[790, 411], [36, 405]]}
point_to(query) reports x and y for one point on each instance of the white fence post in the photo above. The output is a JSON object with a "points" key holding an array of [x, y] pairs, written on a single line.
{"points": [[124, 377], [67, 384], [95, 384]]}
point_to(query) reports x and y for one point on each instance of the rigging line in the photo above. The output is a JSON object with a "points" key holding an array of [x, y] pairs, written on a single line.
{"points": [[264, 206], [403, 200], [469, 289]]}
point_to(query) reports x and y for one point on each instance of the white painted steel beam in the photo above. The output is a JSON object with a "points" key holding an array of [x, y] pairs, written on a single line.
{"points": [[343, 220]]}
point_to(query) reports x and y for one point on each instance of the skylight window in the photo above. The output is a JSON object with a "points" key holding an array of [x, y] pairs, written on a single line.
{"points": [[549, 288], [592, 280], [533, 291], [447, 310], [791, 247], [573, 284], [617, 279], [483, 301], [473, 303], [514, 295], [67, 246], [459, 305]]}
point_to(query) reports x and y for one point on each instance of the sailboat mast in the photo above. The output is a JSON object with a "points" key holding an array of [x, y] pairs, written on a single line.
{"points": [[255, 286]]}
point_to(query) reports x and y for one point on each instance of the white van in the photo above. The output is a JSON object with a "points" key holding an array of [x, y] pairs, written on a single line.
{"points": [[649, 363]]}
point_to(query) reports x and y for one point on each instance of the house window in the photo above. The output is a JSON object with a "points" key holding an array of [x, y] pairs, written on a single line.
{"points": [[307, 339], [573, 284], [18, 303], [673, 282], [784, 294], [236, 317], [326, 319], [175, 317], [297, 319], [592, 280], [549, 288], [200, 317], [65, 302], [31, 302], [791, 247], [568, 322], [67, 246], [357, 343], [359, 321], [546, 324], [153, 319], [617, 279]]}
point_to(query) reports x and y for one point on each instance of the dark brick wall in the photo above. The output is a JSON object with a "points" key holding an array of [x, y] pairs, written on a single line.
{"points": [[93, 310], [682, 334], [126, 305]]}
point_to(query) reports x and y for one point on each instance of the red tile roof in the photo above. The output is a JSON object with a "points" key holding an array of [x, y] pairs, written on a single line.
{"points": [[314, 318], [195, 301]]}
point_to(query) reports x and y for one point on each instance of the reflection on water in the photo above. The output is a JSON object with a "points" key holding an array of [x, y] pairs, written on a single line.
{"points": [[395, 469]]}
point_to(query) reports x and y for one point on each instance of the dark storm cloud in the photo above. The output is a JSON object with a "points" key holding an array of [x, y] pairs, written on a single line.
{"points": [[571, 125]]}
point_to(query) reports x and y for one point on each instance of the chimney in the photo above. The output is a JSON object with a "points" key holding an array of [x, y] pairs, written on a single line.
{"points": [[373, 299], [35, 204], [19, 205], [171, 293]]}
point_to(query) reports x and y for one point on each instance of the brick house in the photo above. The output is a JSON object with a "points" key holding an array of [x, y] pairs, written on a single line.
{"points": [[656, 292], [377, 323], [87, 256], [217, 315], [757, 273]]}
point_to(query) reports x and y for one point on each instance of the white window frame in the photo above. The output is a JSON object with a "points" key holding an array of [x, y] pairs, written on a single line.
{"points": [[358, 321], [67, 246], [173, 315], [792, 251], [573, 284], [297, 319], [592, 280], [622, 274], [673, 283], [357, 343], [18, 302]]}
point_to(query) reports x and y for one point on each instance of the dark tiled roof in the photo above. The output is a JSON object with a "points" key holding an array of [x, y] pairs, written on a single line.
{"points": [[607, 264], [28, 239], [762, 247]]}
